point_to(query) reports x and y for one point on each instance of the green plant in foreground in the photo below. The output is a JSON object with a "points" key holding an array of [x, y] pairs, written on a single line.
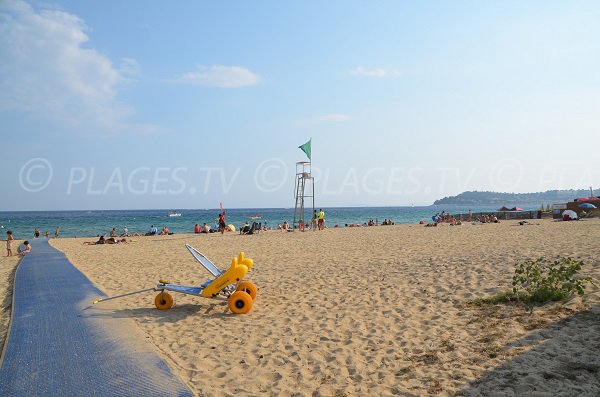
{"points": [[541, 280]]}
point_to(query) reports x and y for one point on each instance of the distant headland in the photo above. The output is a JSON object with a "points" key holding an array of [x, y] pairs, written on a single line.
{"points": [[496, 198]]}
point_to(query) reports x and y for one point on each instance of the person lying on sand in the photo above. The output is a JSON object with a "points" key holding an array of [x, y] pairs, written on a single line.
{"points": [[102, 240], [112, 240], [525, 223]]}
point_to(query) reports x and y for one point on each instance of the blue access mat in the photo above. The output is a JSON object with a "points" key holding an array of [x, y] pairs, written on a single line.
{"points": [[57, 347]]}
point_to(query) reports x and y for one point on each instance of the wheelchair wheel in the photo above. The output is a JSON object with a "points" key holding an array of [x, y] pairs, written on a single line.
{"points": [[240, 302], [249, 288], [164, 301]]}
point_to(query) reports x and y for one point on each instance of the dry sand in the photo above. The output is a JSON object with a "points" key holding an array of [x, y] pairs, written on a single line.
{"points": [[364, 311], [8, 265]]}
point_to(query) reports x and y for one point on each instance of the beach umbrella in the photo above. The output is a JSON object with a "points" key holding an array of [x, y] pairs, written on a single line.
{"points": [[570, 213], [586, 199], [587, 206]]}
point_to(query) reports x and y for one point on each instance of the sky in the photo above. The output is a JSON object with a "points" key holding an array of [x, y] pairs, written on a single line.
{"points": [[157, 105]]}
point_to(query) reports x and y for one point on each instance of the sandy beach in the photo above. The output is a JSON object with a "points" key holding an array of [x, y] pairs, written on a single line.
{"points": [[362, 311], [8, 266]]}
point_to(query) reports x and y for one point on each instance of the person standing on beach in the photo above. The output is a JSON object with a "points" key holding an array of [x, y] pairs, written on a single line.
{"points": [[222, 224], [56, 232], [315, 218], [321, 219], [9, 240]]}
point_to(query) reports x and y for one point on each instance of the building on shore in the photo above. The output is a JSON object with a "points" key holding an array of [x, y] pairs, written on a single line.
{"points": [[578, 205]]}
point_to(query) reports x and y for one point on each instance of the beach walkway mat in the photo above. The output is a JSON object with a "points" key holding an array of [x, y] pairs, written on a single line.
{"points": [[56, 348]]}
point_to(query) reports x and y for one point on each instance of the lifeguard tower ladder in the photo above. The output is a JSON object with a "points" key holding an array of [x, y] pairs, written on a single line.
{"points": [[305, 189]]}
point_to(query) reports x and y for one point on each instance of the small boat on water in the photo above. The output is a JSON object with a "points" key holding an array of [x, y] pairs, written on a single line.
{"points": [[256, 216], [174, 214]]}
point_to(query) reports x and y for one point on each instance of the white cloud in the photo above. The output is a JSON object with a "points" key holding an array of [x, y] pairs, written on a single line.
{"points": [[377, 72], [328, 118], [129, 68], [220, 76], [46, 73]]}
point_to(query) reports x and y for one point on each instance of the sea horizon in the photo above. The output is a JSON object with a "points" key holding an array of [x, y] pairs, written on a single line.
{"points": [[530, 206], [90, 223]]}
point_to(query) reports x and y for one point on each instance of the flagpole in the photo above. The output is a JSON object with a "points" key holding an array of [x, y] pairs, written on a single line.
{"points": [[313, 181]]}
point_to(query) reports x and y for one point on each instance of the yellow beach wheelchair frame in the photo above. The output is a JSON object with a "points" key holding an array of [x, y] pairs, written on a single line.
{"points": [[240, 293]]}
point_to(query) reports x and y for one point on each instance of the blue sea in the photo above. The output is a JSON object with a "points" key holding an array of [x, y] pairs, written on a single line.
{"points": [[94, 223]]}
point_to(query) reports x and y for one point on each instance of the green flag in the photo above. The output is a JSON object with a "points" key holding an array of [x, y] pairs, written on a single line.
{"points": [[306, 148]]}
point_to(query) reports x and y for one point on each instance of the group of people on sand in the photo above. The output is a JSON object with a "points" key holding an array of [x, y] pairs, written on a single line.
{"points": [[451, 221], [25, 248], [22, 250], [153, 231], [114, 233], [488, 219], [317, 222], [109, 240], [202, 229], [220, 226], [256, 227], [370, 222], [116, 238], [440, 217], [443, 217]]}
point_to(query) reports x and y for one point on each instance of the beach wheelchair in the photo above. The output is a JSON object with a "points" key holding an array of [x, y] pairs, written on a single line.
{"points": [[240, 293]]}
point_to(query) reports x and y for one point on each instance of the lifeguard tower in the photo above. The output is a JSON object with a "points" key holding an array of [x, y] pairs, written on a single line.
{"points": [[305, 189]]}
